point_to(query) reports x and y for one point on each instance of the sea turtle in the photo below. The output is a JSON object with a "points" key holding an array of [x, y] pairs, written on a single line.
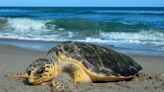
{"points": [[73, 62]]}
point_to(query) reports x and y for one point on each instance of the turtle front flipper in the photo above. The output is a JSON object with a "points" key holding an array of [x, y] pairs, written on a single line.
{"points": [[76, 68], [63, 82], [18, 75], [21, 75]]}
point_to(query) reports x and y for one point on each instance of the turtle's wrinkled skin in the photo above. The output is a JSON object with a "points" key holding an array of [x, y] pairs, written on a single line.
{"points": [[81, 63]]}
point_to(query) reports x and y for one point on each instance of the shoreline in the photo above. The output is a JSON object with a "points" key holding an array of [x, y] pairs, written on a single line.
{"points": [[44, 46], [15, 60]]}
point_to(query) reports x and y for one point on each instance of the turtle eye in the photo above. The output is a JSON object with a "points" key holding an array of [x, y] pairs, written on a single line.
{"points": [[40, 70], [29, 72]]}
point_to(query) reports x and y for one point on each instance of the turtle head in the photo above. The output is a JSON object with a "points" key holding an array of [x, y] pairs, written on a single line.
{"points": [[41, 70]]}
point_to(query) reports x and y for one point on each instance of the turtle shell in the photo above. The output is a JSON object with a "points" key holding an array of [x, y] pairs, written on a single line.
{"points": [[98, 59]]}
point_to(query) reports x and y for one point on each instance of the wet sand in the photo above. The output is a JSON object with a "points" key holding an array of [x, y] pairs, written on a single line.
{"points": [[13, 60]]}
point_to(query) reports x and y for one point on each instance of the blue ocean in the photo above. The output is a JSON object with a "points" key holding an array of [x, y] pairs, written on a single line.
{"points": [[128, 30]]}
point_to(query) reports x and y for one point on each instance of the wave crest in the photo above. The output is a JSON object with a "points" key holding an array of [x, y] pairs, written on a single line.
{"points": [[25, 25]]}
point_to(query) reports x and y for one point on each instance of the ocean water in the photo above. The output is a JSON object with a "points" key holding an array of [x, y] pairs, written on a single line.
{"points": [[128, 30]]}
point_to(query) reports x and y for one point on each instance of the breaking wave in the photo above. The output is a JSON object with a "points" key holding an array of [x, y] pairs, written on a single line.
{"points": [[80, 30]]}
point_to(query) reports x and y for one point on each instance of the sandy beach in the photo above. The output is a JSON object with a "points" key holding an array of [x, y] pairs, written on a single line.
{"points": [[13, 60]]}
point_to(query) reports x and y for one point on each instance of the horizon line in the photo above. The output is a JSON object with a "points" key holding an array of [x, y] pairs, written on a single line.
{"points": [[92, 6]]}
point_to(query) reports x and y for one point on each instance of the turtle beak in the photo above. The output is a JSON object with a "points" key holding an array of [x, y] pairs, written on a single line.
{"points": [[31, 77], [31, 80], [34, 79]]}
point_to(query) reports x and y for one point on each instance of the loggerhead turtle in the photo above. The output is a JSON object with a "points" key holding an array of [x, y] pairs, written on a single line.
{"points": [[80, 62]]}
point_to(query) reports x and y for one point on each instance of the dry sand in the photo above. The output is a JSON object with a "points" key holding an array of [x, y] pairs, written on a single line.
{"points": [[13, 60]]}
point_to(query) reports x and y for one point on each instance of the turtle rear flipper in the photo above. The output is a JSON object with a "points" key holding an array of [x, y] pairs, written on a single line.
{"points": [[63, 82]]}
